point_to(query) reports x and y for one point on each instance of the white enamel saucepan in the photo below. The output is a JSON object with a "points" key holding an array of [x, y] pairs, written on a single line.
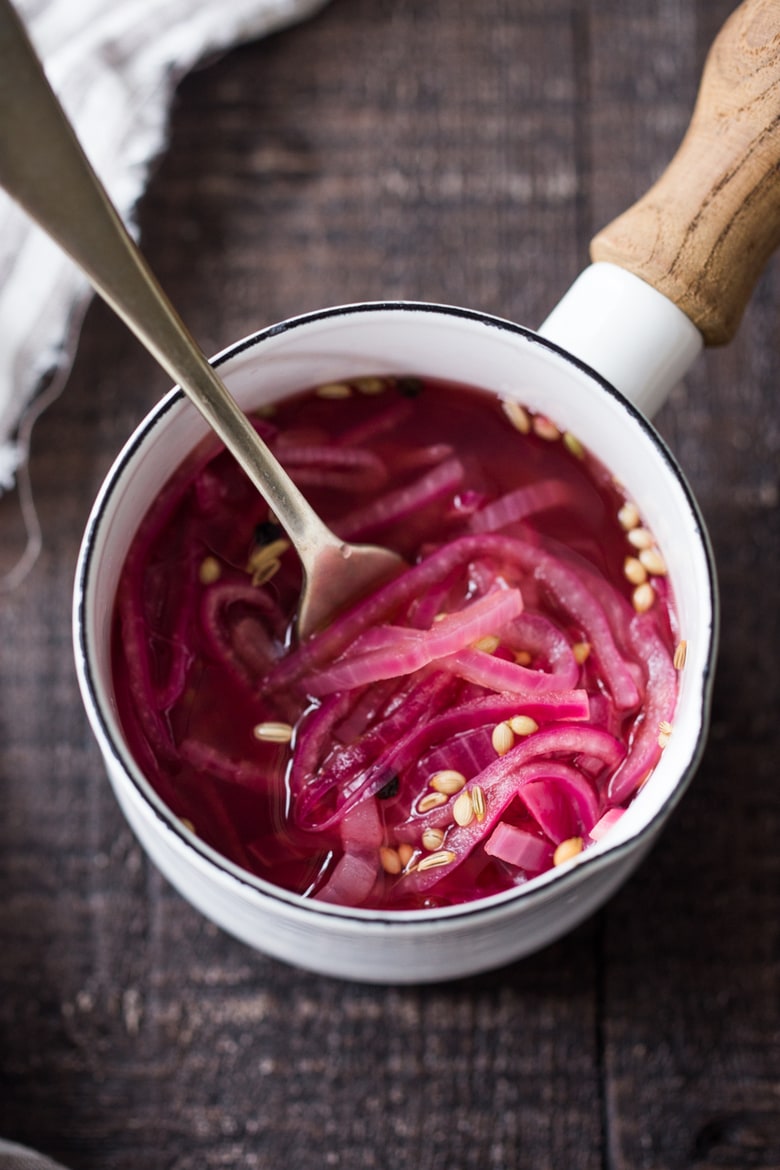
{"points": [[670, 275]]}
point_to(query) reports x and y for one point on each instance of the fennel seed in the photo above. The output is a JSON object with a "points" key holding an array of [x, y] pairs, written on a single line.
{"points": [[210, 571], [523, 725], [334, 390], [370, 385], [463, 810], [628, 516], [431, 801], [567, 849], [546, 429], [640, 538], [448, 781], [573, 445], [643, 597], [435, 860], [390, 860], [487, 644], [653, 562], [503, 738], [581, 652], [272, 732], [634, 571], [432, 839], [406, 853], [517, 415]]}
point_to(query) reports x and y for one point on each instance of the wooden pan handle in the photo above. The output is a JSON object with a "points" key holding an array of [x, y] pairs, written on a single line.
{"points": [[702, 234]]}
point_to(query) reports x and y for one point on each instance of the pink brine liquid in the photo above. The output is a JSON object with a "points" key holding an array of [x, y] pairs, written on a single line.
{"points": [[484, 717]]}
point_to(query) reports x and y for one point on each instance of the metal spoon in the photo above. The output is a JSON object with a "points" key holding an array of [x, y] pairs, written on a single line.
{"points": [[44, 168]]}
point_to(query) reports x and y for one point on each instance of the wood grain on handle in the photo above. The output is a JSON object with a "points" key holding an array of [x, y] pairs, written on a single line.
{"points": [[703, 232]]}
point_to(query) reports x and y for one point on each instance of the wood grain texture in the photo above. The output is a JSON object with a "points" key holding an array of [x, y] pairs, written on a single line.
{"points": [[703, 233], [407, 148]]}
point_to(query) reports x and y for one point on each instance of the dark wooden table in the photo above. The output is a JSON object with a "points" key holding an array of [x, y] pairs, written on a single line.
{"points": [[456, 150]]}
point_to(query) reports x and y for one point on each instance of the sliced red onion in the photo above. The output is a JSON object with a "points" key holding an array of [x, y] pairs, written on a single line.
{"points": [[423, 610], [138, 670], [315, 738], [553, 810], [660, 700], [180, 654], [468, 753], [516, 505], [343, 468], [579, 603], [605, 822], [365, 766], [355, 873], [212, 762], [413, 651], [521, 556], [418, 457], [299, 437], [499, 674], [519, 848], [254, 654], [554, 746], [379, 424], [504, 780], [397, 505], [545, 641], [378, 607], [402, 685], [351, 880], [370, 707], [344, 772]]}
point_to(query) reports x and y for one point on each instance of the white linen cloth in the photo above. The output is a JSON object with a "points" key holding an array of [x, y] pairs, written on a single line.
{"points": [[114, 65]]}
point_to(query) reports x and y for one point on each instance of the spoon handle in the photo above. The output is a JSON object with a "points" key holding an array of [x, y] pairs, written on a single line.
{"points": [[44, 168]]}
